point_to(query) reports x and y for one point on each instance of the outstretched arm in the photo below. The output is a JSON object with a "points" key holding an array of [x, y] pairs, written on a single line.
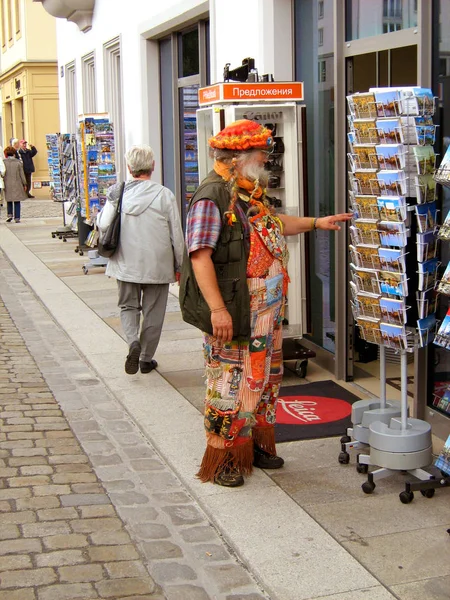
{"points": [[296, 225]]}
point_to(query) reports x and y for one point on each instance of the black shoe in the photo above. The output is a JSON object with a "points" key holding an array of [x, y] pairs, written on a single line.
{"points": [[9, 219], [147, 367], [30, 196], [132, 362], [264, 460], [229, 477]]}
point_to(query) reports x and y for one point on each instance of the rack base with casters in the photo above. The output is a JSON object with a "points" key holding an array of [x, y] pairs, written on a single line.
{"points": [[365, 412], [293, 350], [399, 446], [95, 260], [64, 233]]}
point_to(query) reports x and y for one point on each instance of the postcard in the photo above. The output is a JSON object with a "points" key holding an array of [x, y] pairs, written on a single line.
{"points": [[366, 280], [426, 302], [442, 175], [392, 208], [391, 156], [415, 128], [393, 311], [392, 259], [387, 102], [365, 206], [362, 105], [426, 327], [393, 283], [442, 337], [444, 231], [392, 183], [444, 284], [366, 131], [427, 274], [365, 255], [425, 159], [367, 231], [364, 157], [369, 329], [393, 336], [368, 305], [426, 188], [366, 183], [389, 131], [416, 101], [392, 234], [426, 216], [426, 245]]}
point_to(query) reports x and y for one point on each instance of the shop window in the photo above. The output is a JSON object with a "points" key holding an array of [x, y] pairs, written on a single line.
{"points": [[113, 97], [186, 53], [71, 98], [320, 37], [366, 19], [189, 59], [88, 75], [9, 123]]}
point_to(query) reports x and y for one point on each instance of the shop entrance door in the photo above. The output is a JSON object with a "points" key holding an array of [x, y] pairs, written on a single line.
{"points": [[383, 67]]}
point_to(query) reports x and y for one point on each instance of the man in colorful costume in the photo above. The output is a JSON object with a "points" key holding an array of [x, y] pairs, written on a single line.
{"points": [[233, 287]]}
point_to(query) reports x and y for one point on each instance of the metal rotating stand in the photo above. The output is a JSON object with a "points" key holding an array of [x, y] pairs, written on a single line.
{"points": [[403, 444], [364, 413]]}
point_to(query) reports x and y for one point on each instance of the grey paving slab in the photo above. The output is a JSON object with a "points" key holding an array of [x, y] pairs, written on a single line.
{"points": [[404, 557], [437, 588]]}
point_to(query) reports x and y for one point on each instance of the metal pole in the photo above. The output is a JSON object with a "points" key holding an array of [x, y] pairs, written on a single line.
{"points": [[382, 376], [404, 385]]}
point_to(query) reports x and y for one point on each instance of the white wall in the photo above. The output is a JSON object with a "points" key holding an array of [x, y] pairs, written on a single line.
{"points": [[261, 29]]}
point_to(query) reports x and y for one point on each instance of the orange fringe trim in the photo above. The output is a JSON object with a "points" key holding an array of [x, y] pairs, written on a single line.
{"points": [[264, 438], [216, 459]]}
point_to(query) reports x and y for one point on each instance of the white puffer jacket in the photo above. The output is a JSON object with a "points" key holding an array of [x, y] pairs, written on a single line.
{"points": [[151, 237]]}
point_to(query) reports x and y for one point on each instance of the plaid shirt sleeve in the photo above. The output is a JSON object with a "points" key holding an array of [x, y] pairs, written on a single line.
{"points": [[203, 226]]}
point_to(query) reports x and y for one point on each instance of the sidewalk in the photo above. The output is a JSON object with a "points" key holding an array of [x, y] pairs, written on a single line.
{"points": [[304, 532]]}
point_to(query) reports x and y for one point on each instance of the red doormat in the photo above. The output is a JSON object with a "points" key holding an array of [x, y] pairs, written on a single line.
{"points": [[313, 410]]}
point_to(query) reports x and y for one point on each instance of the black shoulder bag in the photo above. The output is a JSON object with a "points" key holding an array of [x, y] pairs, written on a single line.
{"points": [[109, 240]]}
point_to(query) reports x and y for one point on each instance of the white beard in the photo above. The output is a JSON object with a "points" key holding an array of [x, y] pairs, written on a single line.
{"points": [[251, 170]]}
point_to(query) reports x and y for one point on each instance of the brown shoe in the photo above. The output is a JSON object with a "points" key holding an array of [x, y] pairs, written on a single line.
{"points": [[229, 477]]}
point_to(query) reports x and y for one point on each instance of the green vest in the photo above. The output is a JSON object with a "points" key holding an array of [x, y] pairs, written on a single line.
{"points": [[230, 262]]}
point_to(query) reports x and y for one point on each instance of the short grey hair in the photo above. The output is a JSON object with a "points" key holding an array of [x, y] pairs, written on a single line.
{"points": [[140, 160]]}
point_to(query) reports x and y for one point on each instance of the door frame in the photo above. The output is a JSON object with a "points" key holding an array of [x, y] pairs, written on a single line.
{"points": [[422, 37]]}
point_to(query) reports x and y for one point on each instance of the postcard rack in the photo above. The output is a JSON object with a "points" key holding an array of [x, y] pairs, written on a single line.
{"points": [[392, 192]]}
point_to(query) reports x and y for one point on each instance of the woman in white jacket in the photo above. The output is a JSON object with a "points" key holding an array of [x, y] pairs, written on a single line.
{"points": [[149, 255]]}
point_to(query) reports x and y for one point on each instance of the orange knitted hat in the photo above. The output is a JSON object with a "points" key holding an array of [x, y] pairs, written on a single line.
{"points": [[243, 135]]}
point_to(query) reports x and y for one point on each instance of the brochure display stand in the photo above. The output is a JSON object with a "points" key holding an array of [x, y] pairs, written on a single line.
{"points": [[62, 165], [96, 151], [393, 266]]}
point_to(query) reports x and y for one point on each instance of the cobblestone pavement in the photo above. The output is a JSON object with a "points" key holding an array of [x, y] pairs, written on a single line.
{"points": [[89, 509]]}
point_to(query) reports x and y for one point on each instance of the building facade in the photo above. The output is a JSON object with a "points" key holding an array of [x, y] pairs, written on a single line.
{"points": [[143, 63], [28, 80]]}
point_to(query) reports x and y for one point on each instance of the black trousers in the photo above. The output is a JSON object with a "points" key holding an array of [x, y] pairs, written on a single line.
{"points": [[28, 178]]}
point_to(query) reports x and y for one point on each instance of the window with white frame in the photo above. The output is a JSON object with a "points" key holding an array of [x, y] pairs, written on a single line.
{"points": [[88, 74], [113, 99], [71, 97], [320, 9], [321, 36]]}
